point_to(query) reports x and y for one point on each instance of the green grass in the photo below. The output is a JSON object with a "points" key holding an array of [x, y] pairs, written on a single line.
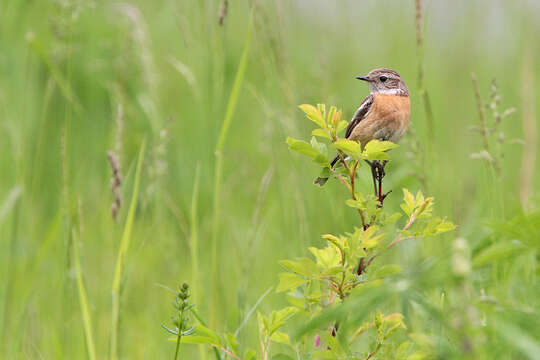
{"points": [[122, 254], [67, 65]]}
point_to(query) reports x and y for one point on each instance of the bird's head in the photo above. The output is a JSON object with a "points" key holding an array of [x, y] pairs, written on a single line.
{"points": [[385, 81]]}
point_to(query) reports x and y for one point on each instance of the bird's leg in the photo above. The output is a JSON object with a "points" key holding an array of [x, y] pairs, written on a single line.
{"points": [[380, 177], [383, 165], [378, 174], [373, 175]]}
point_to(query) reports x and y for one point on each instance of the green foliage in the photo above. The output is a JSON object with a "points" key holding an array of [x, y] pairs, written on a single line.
{"points": [[343, 274], [330, 126], [342, 270]]}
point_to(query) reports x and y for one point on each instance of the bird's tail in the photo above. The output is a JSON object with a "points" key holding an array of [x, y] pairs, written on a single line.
{"points": [[320, 181]]}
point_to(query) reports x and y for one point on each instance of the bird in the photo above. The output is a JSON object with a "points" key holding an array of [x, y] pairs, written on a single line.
{"points": [[383, 115]]}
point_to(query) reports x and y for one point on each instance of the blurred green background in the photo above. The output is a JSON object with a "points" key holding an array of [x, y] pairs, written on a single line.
{"points": [[78, 78]]}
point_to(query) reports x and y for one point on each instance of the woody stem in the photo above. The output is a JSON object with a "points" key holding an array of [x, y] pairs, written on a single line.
{"points": [[352, 173]]}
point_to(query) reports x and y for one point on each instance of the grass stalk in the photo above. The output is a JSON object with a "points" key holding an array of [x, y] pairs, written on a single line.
{"points": [[493, 162], [424, 95], [83, 301], [481, 113], [528, 159], [194, 246], [122, 252], [195, 237], [231, 106], [66, 195]]}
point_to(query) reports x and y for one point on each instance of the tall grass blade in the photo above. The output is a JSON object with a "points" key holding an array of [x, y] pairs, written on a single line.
{"points": [[195, 237], [122, 251], [421, 85], [194, 225], [251, 311], [56, 73], [83, 300], [231, 106], [528, 159]]}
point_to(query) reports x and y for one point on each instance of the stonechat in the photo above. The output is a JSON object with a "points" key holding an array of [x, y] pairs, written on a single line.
{"points": [[383, 115]]}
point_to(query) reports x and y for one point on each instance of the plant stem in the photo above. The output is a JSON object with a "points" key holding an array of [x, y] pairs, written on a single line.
{"points": [[481, 113], [352, 174], [421, 87], [122, 252], [179, 337], [229, 353], [374, 351], [400, 239], [83, 300], [231, 106]]}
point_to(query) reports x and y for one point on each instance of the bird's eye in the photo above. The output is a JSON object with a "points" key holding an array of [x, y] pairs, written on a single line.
{"points": [[383, 78]]}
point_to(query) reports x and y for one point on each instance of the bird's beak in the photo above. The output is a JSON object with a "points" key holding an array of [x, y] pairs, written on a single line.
{"points": [[365, 78]]}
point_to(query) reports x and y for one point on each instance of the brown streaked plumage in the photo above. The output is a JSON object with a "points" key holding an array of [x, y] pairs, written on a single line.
{"points": [[383, 115]]}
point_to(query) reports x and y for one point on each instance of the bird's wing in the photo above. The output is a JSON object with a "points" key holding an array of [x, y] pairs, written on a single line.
{"points": [[359, 115]]}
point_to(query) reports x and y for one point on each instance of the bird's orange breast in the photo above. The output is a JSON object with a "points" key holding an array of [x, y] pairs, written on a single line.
{"points": [[387, 119]]}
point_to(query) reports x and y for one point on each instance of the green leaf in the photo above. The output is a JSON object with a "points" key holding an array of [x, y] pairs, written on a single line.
{"points": [[387, 270], [302, 147], [357, 204], [445, 226], [278, 318], [327, 257], [431, 227], [333, 240], [376, 156], [368, 238], [285, 313], [375, 150], [288, 281], [313, 114], [498, 251], [203, 331], [335, 119], [302, 266], [325, 172], [322, 160], [376, 146], [334, 270], [281, 337], [322, 109], [195, 339], [331, 114], [320, 147], [341, 126], [320, 133], [408, 202], [351, 148]]}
